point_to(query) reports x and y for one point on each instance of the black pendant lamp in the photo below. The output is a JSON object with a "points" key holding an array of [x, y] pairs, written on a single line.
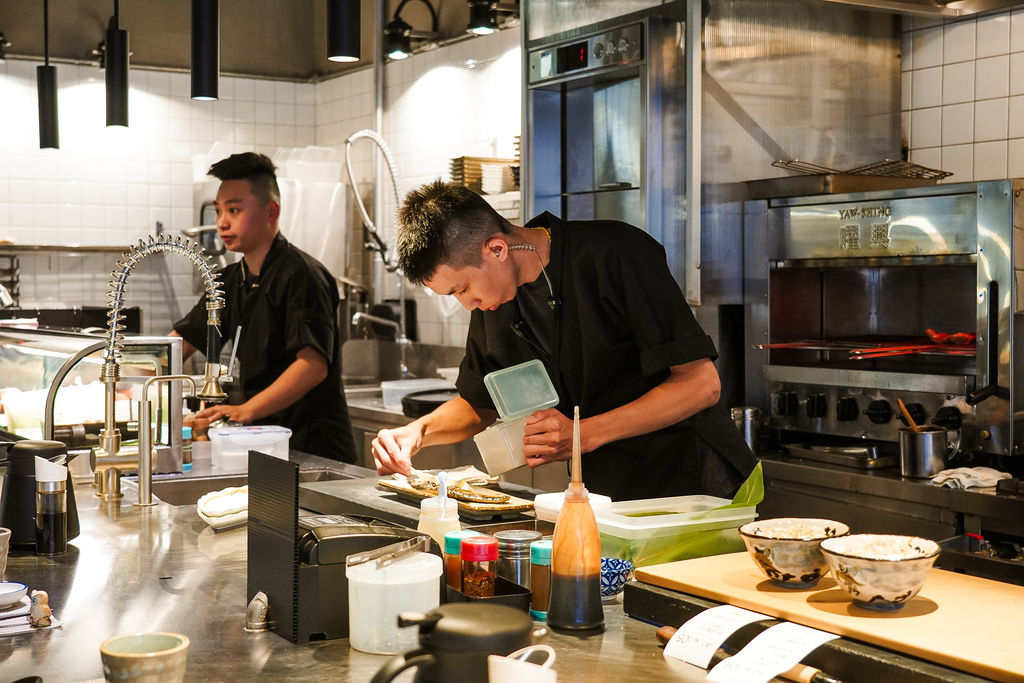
{"points": [[205, 48], [46, 83], [343, 27], [116, 67]]}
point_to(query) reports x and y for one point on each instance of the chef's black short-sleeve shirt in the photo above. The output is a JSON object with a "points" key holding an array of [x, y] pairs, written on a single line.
{"points": [[620, 324], [292, 304]]}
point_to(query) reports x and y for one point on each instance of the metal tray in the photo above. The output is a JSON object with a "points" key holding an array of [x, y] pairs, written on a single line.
{"points": [[828, 183], [861, 457]]}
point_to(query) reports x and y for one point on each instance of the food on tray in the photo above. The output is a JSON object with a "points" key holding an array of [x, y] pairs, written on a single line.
{"points": [[956, 339]]}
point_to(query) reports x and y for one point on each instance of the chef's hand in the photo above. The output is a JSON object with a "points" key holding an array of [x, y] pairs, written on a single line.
{"points": [[393, 449], [548, 437], [240, 414]]}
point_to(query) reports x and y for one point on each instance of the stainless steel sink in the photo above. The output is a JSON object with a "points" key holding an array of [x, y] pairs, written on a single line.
{"points": [[181, 490]]}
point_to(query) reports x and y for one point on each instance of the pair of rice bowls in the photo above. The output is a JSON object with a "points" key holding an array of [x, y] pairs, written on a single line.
{"points": [[786, 549], [880, 571]]}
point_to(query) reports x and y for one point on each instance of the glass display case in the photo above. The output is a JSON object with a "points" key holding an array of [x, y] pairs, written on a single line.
{"points": [[50, 384]]}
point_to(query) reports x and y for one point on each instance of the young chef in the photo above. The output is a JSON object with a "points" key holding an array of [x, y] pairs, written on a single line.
{"points": [[595, 301], [286, 302]]}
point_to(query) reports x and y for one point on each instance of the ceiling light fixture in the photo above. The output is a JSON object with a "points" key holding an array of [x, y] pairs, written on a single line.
{"points": [[343, 26], [46, 83], [483, 16], [115, 61], [398, 34], [205, 48]]}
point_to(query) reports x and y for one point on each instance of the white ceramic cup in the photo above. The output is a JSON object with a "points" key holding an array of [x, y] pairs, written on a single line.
{"points": [[5, 547], [145, 657], [531, 664]]}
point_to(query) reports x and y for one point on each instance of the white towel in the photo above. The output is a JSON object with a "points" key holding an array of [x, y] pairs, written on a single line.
{"points": [[969, 477]]}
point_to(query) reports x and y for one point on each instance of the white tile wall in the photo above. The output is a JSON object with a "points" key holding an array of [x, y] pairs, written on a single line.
{"points": [[435, 109], [963, 95], [111, 186]]}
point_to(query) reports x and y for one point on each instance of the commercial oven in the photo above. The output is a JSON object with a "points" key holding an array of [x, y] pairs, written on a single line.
{"points": [[606, 122], [857, 300]]}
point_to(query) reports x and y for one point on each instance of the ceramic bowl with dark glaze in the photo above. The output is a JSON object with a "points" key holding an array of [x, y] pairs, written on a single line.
{"points": [[880, 571], [786, 550]]}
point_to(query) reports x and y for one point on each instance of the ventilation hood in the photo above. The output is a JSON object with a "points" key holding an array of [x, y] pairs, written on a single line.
{"points": [[933, 8]]}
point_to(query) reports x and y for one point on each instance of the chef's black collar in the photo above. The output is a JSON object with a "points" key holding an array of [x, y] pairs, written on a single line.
{"points": [[276, 247]]}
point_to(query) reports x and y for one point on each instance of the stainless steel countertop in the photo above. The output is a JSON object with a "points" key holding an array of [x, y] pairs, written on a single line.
{"points": [[162, 569]]}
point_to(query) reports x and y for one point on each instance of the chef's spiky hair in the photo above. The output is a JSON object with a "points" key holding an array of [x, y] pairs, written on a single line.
{"points": [[258, 169], [444, 224]]}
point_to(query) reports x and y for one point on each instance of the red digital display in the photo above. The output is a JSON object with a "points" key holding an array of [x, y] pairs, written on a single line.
{"points": [[572, 57]]}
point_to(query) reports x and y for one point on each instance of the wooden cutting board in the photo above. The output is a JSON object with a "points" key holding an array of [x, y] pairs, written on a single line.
{"points": [[971, 624]]}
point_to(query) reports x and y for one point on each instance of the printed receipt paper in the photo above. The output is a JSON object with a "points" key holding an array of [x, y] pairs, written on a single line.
{"points": [[771, 653]]}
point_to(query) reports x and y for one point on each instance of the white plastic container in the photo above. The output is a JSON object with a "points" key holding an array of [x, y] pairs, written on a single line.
{"points": [[392, 391], [501, 446], [660, 530], [548, 505], [231, 445], [376, 596]]}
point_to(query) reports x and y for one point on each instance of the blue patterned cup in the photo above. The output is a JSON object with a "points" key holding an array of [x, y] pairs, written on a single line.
{"points": [[614, 575]]}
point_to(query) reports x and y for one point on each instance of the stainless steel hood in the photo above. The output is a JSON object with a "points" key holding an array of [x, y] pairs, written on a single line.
{"points": [[933, 8]]}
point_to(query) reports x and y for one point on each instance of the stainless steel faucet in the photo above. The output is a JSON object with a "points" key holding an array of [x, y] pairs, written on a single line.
{"points": [[146, 438], [403, 342], [110, 435]]}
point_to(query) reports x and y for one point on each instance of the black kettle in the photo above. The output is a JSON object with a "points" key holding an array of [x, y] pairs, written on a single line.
{"points": [[18, 489], [455, 640]]}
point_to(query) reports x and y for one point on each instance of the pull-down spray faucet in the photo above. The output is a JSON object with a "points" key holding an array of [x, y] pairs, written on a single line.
{"points": [[110, 436]]}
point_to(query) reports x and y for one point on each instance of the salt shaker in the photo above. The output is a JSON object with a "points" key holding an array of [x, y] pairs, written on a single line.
{"points": [[514, 554]]}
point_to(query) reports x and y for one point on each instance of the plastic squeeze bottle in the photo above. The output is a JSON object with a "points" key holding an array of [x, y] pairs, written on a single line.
{"points": [[440, 514], [576, 555]]}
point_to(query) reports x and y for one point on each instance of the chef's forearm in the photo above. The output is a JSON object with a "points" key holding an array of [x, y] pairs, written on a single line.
{"points": [[689, 389]]}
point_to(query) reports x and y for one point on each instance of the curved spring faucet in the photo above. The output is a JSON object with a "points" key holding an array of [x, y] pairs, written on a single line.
{"points": [[110, 436]]}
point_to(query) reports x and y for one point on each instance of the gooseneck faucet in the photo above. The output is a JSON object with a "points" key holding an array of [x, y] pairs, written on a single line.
{"points": [[110, 373]]}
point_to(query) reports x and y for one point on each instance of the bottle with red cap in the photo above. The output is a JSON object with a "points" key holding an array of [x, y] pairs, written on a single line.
{"points": [[479, 560]]}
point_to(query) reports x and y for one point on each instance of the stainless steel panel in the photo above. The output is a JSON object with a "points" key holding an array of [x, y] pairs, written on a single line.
{"points": [[867, 379], [545, 18]]}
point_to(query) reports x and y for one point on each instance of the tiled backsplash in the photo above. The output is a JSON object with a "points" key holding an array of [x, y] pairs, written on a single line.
{"points": [[963, 95], [111, 186]]}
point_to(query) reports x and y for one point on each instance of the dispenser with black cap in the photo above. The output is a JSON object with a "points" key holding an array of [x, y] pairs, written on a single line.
{"points": [[18, 490]]}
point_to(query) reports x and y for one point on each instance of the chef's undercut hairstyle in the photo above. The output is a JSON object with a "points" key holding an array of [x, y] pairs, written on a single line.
{"points": [[443, 224], [258, 169]]}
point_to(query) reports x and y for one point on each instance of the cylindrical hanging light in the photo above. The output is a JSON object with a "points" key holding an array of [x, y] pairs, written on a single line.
{"points": [[116, 68], [46, 83], [482, 19], [205, 48], [343, 27]]}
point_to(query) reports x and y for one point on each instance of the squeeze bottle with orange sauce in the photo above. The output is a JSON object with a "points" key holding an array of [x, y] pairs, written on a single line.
{"points": [[576, 555]]}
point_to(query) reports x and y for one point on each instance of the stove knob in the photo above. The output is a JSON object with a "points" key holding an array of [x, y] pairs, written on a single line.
{"points": [[917, 412], [949, 417], [816, 406], [786, 403], [879, 412], [847, 409], [624, 45], [599, 50]]}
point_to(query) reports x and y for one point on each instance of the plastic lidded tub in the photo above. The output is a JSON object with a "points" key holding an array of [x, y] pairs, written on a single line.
{"points": [[520, 390]]}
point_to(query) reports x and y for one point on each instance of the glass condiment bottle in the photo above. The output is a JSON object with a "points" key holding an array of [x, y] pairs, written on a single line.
{"points": [[51, 508], [186, 448], [540, 578], [452, 551], [479, 557], [514, 554]]}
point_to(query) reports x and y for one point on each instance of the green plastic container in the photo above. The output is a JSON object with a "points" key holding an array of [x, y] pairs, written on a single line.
{"points": [[520, 390]]}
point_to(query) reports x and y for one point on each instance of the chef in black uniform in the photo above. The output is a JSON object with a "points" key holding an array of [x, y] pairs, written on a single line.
{"points": [[286, 302], [596, 303]]}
